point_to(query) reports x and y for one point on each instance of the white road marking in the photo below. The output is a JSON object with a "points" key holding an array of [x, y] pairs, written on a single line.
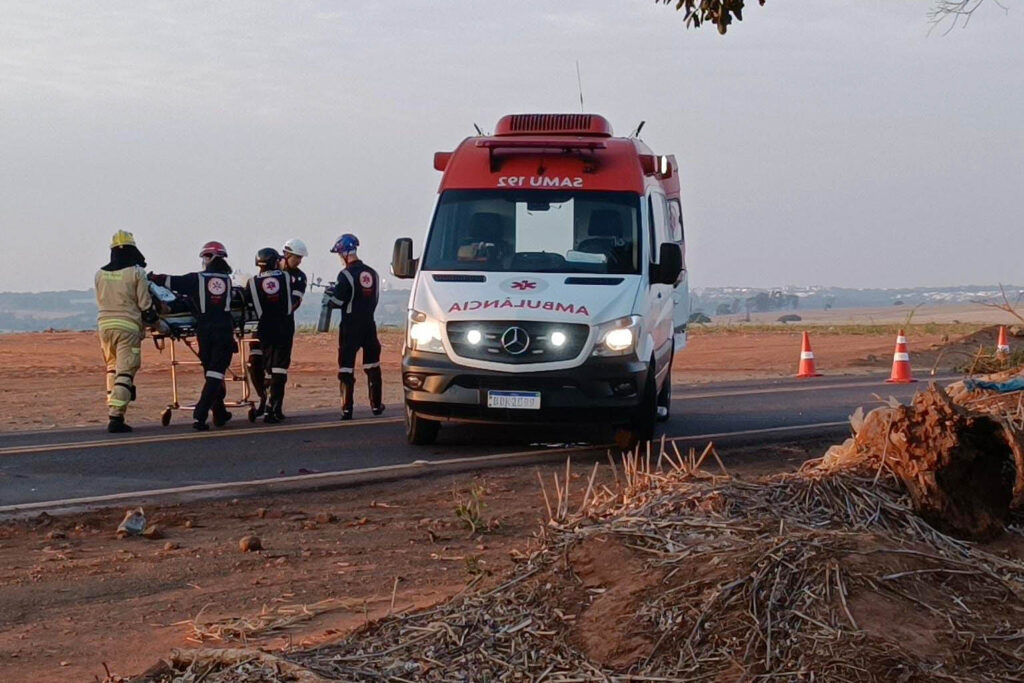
{"points": [[810, 386], [133, 441], [408, 468]]}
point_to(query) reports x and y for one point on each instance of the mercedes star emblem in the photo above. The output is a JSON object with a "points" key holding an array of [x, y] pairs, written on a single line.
{"points": [[515, 341]]}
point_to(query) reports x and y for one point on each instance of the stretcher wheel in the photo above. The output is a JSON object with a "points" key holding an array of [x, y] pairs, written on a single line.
{"points": [[252, 414], [165, 417]]}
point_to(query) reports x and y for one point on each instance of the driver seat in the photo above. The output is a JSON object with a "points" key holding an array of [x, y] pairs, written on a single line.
{"points": [[605, 235], [485, 239]]}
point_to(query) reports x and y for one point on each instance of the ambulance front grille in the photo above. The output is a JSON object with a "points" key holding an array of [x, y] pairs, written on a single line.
{"points": [[516, 342]]}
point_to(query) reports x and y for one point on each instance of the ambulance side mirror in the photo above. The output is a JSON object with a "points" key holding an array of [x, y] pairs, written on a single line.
{"points": [[670, 264], [403, 265]]}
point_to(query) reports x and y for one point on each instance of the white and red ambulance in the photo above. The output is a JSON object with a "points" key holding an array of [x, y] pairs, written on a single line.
{"points": [[552, 285]]}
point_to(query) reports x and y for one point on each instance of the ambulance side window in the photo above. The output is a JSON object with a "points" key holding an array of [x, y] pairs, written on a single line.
{"points": [[651, 239], [658, 215], [675, 223]]}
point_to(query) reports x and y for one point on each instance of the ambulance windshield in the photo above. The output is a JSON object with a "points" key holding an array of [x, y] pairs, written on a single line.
{"points": [[535, 231]]}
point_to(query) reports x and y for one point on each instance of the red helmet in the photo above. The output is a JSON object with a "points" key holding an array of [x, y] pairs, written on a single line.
{"points": [[213, 249]]}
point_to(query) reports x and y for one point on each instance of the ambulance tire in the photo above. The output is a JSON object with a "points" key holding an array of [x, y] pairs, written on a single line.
{"points": [[641, 426], [420, 431], [665, 396]]}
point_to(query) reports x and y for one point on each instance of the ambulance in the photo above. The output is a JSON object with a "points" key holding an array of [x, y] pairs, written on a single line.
{"points": [[551, 287]]}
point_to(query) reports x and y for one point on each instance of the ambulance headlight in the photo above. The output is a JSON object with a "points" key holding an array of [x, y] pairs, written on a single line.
{"points": [[424, 333], [618, 337], [474, 337], [558, 339], [619, 340]]}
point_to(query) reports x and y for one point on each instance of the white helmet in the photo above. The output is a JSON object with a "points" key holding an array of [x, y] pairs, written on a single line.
{"points": [[295, 246]]}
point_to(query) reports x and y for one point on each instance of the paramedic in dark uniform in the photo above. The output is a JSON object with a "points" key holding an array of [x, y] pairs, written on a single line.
{"points": [[293, 251], [270, 294], [356, 293], [210, 293], [266, 259]]}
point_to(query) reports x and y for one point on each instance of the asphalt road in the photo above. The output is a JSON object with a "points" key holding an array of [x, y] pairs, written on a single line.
{"points": [[58, 465]]}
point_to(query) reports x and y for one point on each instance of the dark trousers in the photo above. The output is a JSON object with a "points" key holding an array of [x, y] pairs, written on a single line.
{"points": [[270, 359], [277, 357], [353, 336], [257, 372], [216, 346]]}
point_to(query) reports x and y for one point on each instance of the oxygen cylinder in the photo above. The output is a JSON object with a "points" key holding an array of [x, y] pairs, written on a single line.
{"points": [[324, 323]]}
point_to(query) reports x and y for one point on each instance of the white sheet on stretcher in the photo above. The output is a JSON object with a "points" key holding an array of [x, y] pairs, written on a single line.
{"points": [[183, 323]]}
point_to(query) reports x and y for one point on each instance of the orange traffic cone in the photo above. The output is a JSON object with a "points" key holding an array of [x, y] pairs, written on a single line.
{"points": [[900, 362], [807, 359], [1002, 346]]}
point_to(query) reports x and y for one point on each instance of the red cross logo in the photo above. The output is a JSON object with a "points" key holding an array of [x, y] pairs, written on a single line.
{"points": [[523, 285]]}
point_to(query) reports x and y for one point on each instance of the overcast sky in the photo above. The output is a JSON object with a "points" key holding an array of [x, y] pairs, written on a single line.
{"points": [[827, 142]]}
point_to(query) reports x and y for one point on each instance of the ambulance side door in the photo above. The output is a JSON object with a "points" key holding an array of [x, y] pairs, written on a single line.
{"points": [[660, 296], [681, 292]]}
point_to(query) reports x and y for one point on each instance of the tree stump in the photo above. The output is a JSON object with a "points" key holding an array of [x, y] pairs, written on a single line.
{"points": [[963, 470]]}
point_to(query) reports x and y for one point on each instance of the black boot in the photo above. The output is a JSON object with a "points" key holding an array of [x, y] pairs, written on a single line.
{"points": [[276, 403], [259, 381], [221, 419], [348, 386], [210, 398], [200, 426], [116, 425], [375, 385]]}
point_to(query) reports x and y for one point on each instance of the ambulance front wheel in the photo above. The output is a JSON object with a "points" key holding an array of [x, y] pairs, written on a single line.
{"points": [[642, 423], [420, 431], [165, 417]]}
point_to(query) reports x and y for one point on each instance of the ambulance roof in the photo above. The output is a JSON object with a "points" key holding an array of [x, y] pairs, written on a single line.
{"points": [[548, 151]]}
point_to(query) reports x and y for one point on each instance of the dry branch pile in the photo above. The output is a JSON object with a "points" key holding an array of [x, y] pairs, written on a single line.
{"points": [[270, 619], [676, 574]]}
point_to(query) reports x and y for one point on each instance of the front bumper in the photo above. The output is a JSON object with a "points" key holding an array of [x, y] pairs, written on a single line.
{"points": [[602, 390]]}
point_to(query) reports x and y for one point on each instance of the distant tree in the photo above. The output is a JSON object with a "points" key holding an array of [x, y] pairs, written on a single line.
{"points": [[717, 12], [953, 13], [720, 13]]}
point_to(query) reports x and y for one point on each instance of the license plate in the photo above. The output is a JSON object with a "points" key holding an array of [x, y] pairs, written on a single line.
{"points": [[516, 400]]}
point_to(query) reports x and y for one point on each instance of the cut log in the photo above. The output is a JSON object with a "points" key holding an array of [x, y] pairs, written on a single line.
{"points": [[963, 469]]}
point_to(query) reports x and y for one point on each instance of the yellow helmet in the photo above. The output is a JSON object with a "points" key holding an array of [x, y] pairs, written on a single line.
{"points": [[122, 238]]}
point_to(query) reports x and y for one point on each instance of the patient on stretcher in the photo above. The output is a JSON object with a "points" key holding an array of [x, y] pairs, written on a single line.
{"points": [[177, 319]]}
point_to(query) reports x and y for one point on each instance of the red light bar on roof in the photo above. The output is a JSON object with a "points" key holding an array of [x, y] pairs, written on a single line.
{"points": [[654, 165], [554, 124], [541, 144], [502, 148]]}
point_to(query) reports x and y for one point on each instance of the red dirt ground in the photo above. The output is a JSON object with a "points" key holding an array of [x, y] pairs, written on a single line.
{"points": [[73, 596]]}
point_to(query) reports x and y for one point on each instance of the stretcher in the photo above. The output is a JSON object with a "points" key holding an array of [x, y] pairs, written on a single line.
{"points": [[177, 326]]}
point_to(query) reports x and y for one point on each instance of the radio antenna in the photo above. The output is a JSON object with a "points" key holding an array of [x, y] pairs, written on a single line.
{"points": [[579, 84], [639, 128], [478, 131]]}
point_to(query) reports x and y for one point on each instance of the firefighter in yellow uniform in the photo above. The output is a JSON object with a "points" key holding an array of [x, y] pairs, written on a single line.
{"points": [[125, 306]]}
